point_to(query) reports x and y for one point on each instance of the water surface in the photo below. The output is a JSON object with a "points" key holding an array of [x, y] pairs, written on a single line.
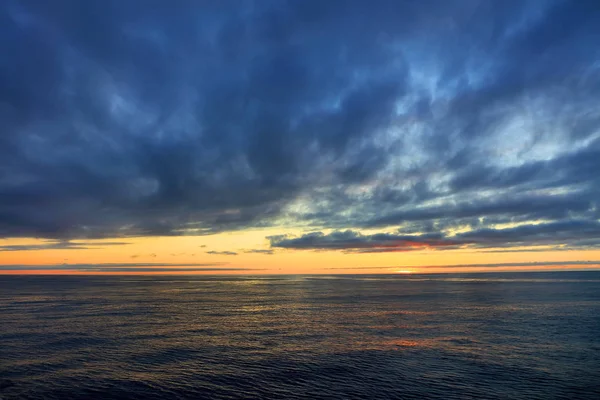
{"points": [[492, 336]]}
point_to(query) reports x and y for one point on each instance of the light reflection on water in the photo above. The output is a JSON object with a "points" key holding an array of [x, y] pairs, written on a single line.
{"points": [[437, 336]]}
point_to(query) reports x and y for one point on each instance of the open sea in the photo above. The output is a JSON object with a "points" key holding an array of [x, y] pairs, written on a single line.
{"points": [[461, 336]]}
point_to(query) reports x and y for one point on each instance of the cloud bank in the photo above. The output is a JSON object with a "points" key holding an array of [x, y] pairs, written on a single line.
{"points": [[577, 233]]}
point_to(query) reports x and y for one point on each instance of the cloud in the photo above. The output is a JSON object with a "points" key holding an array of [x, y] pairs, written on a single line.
{"points": [[355, 242], [127, 267], [153, 255], [575, 233], [420, 119], [60, 245], [260, 251], [222, 253], [595, 263]]}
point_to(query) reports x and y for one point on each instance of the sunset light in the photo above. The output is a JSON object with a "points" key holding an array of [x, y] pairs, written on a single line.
{"points": [[300, 199]]}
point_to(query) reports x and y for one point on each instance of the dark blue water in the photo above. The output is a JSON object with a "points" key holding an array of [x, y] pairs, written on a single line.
{"points": [[488, 336]]}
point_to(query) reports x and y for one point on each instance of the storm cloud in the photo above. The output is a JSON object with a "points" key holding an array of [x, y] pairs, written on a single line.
{"points": [[444, 124]]}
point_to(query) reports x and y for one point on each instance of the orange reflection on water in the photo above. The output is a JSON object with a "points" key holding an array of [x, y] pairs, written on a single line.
{"points": [[406, 343]]}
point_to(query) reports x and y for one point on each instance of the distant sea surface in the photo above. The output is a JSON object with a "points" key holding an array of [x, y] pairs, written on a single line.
{"points": [[468, 336]]}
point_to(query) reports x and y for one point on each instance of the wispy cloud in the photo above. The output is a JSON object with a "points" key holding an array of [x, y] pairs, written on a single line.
{"points": [[151, 255], [60, 245], [567, 263], [260, 251], [222, 253], [128, 267]]}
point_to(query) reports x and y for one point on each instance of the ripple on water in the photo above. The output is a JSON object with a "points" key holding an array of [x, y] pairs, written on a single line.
{"points": [[301, 337]]}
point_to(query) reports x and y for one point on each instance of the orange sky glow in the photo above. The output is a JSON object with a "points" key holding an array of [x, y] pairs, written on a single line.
{"points": [[175, 255]]}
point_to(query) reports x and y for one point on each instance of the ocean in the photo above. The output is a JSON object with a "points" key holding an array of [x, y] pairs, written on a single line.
{"points": [[460, 336]]}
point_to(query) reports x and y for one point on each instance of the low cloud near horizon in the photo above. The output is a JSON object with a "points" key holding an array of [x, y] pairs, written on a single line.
{"points": [[128, 267]]}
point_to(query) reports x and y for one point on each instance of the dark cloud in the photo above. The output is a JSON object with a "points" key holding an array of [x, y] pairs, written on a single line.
{"points": [[222, 253], [136, 118], [576, 233], [356, 242]]}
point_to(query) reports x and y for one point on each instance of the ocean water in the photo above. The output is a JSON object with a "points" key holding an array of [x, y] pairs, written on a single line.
{"points": [[478, 336]]}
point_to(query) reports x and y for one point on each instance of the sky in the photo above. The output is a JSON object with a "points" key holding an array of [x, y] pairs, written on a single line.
{"points": [[300, 136]]}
